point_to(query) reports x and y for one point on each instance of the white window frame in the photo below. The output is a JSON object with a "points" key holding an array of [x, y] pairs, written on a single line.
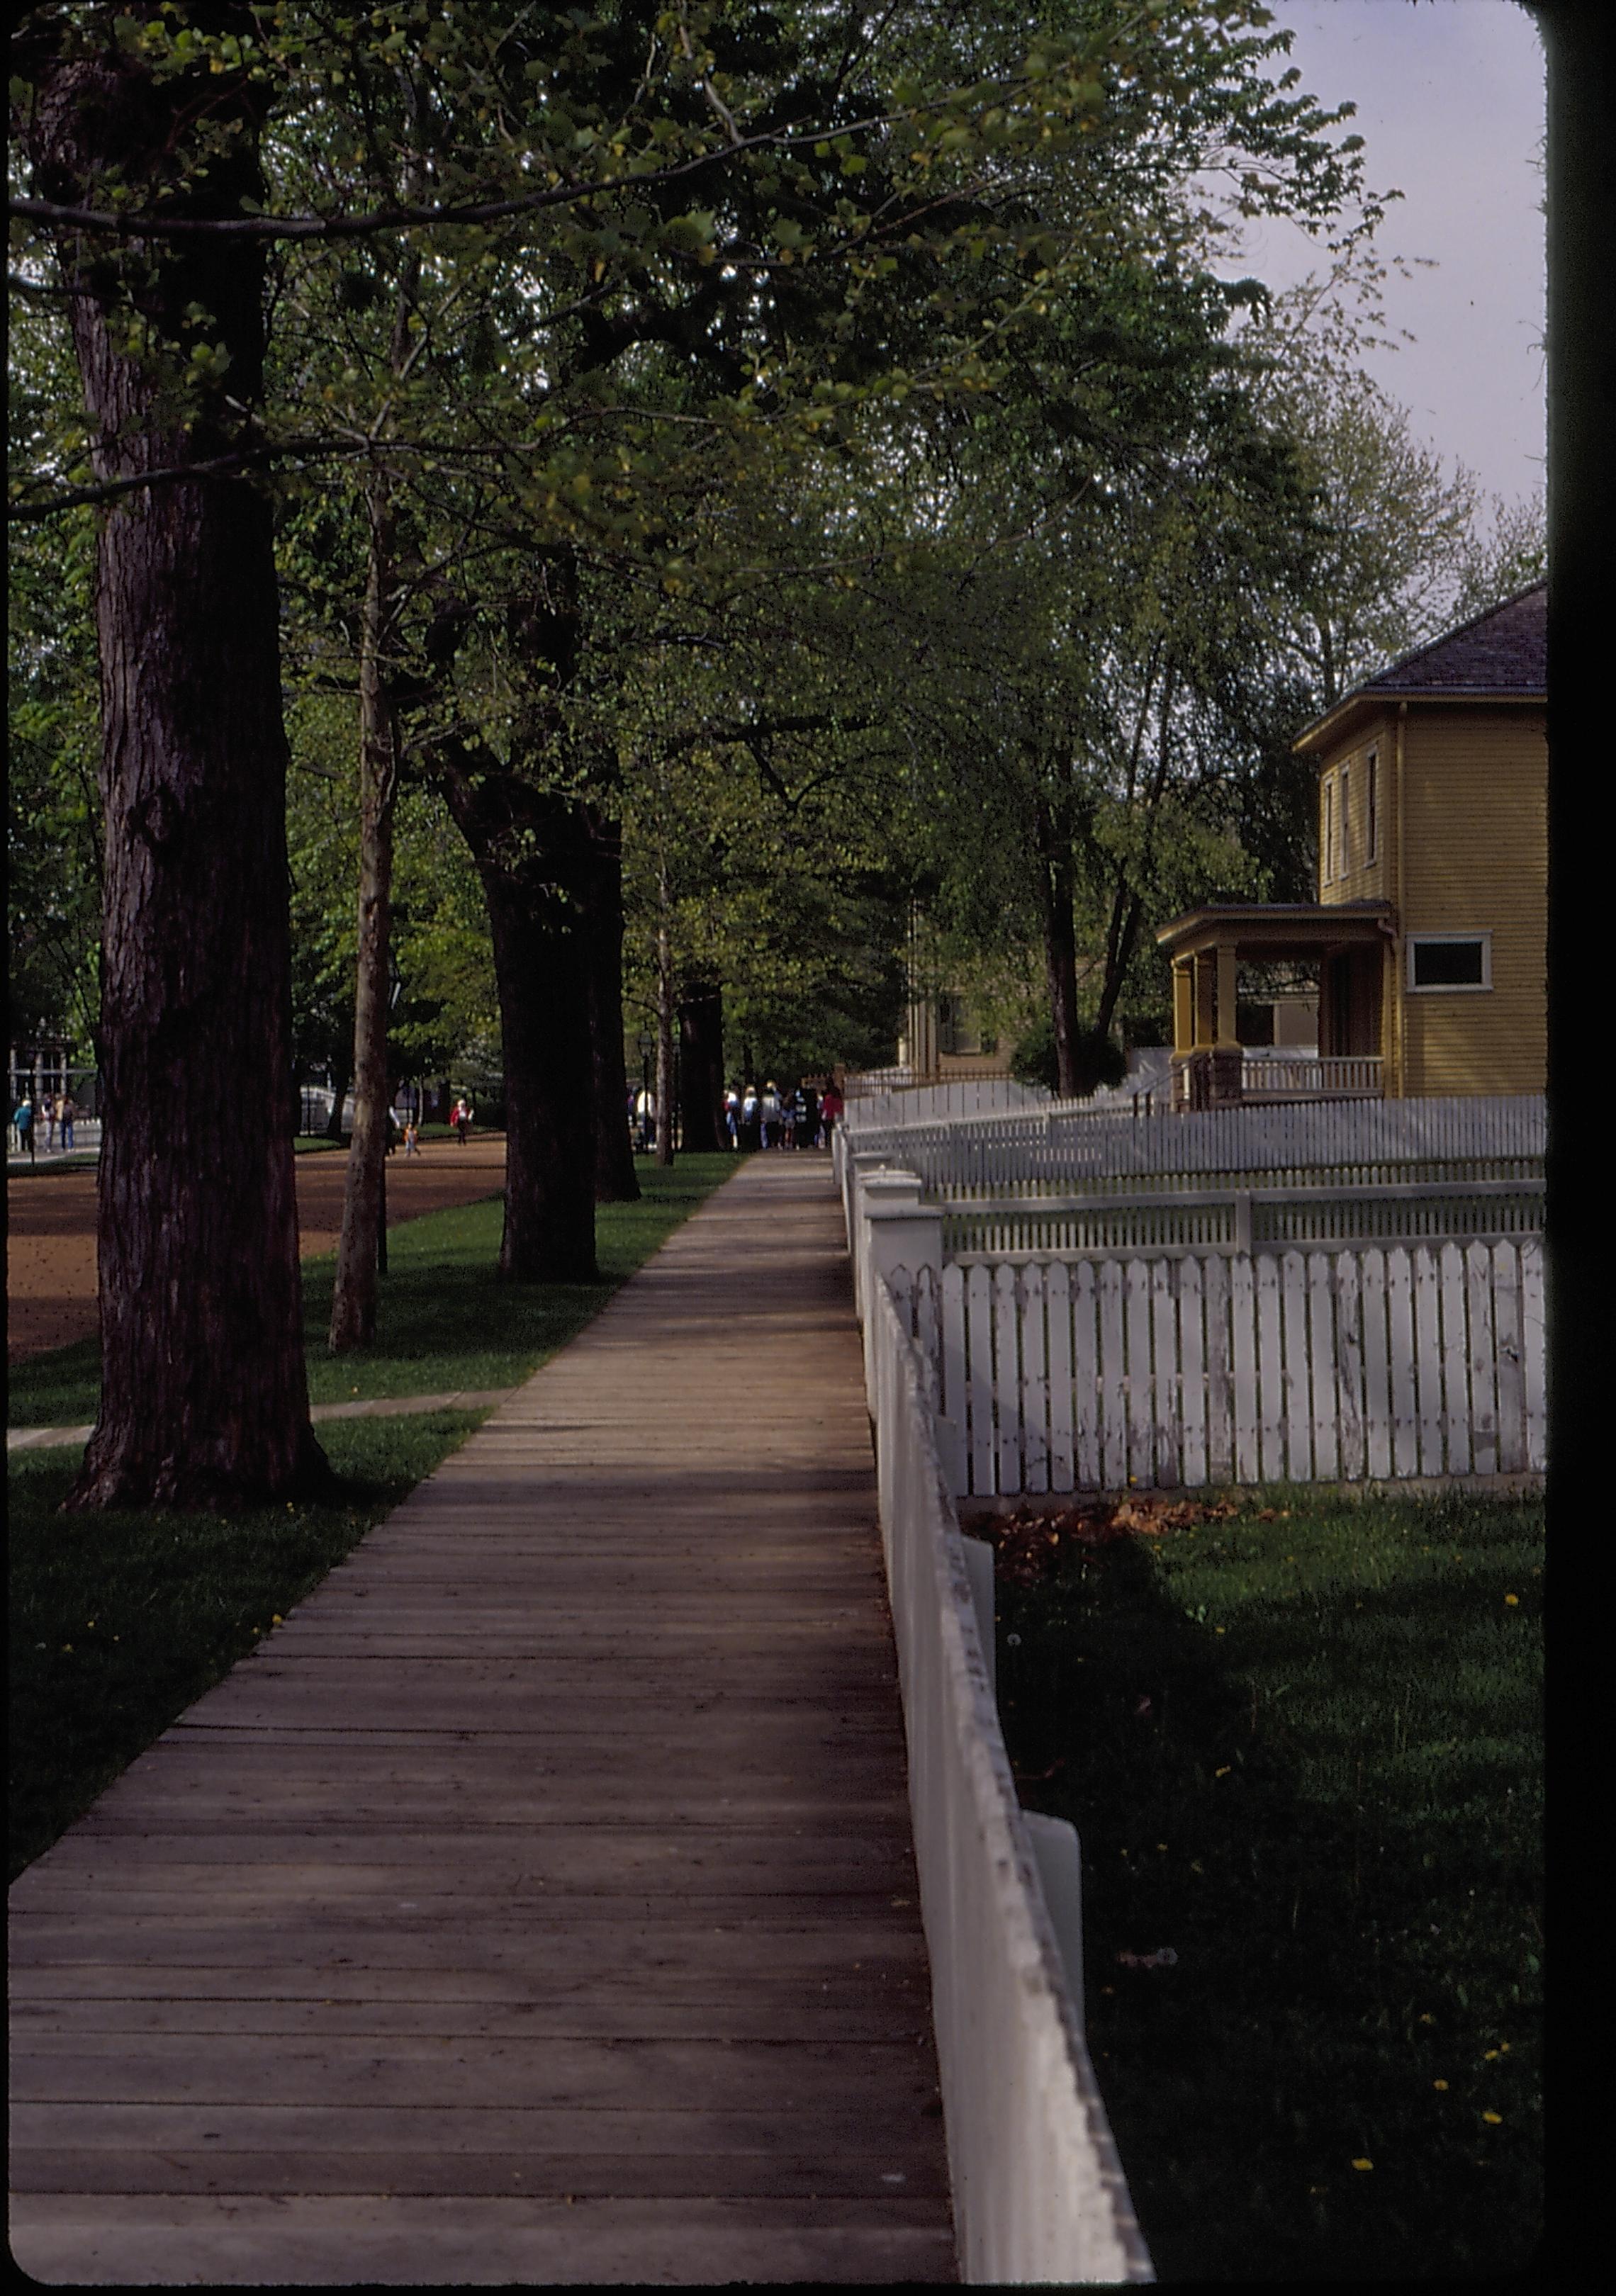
{"points": [[1327, 827], [1372, 775], [1451, 987], [1344, 867]]}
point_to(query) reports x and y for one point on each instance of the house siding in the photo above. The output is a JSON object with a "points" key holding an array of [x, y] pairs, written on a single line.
{"points": [[1476, 858], [1473, 820]]}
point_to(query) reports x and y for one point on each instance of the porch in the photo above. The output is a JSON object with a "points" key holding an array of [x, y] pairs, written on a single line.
{"points": [[1350, 945]]}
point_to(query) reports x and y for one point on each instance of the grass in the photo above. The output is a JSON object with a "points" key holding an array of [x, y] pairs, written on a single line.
{"points": [[444, 1320], [119, 1621], [1330, 1809]]}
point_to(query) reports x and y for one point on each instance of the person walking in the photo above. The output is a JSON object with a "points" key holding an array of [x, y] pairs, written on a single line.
{"points": [[831, 1106], [462, 1117], [23, 1118], [48, 1109], [751, 1119], [411, 1144], [66, 1115], [807, 1124], [768, 1112]]}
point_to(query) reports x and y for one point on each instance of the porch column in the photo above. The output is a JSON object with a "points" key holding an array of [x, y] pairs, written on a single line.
{"points": [[1184, 1006], [1227, 1062], [1205, 1035]]}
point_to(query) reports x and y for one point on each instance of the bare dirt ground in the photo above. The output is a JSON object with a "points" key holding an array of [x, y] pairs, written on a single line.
{"points": [[50, 1258]]}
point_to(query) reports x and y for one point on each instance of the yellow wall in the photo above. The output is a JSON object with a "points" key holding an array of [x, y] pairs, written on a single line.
{"points": [[1475, 856]]}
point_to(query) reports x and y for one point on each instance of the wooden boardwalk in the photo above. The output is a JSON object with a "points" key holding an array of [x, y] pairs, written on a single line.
{"points": [[538, 1904]]}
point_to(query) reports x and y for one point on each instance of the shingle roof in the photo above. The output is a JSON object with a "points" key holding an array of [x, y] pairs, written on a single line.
{"points": [[1505, 651]]}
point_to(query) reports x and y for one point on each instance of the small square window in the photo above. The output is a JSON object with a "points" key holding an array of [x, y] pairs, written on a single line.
{"points": [[1449, 961]]}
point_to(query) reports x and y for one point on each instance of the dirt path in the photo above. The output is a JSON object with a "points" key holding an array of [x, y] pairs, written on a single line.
{"points": [[50, 1258]]}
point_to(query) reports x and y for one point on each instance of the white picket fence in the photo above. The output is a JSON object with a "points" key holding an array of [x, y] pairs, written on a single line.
{"points": [[1039, 2191], [1342, 1365]]}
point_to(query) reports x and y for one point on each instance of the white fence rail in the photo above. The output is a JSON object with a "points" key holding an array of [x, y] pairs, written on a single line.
{"points": [[1344, 1366], [1252, 1217], [1068, 1146], [873, 1102], [1038, 2191]]}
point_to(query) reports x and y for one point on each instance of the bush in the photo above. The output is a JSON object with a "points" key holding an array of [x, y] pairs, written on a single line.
{"points": [[1100, 1061]]}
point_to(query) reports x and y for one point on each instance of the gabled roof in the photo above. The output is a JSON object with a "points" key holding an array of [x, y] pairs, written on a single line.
{"points": [[1499, 656]]}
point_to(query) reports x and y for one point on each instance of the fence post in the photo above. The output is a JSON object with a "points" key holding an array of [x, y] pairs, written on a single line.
{"points": [[899, 1230]]}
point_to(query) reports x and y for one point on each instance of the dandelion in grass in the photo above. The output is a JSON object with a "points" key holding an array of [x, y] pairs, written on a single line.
{"points": [[1493, 2119], [1439, 2084], [1363, 2164], [1512, 1602]]}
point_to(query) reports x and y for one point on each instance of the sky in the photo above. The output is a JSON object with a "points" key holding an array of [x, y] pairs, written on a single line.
{"points": [[1451, 105]]}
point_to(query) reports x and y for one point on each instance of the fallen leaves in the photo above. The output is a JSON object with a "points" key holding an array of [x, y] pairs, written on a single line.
{"points": [[1028, 1545]]}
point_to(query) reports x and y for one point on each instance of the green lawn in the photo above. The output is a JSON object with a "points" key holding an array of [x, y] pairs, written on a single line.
{"points": [[444, 1320], [1305, 1754], [119, 1621]]}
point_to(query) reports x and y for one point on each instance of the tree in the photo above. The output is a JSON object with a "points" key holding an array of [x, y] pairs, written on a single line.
{"points": [[195, 1002], [801, 214]]}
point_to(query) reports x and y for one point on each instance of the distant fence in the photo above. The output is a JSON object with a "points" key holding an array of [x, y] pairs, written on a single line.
{"points": [[1352, 1364], [1068, 1146]]}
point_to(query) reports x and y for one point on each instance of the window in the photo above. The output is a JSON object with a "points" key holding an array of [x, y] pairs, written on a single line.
{"points": [[1326, 843], [1450, 961], [1372, 771], [1346, 859]]}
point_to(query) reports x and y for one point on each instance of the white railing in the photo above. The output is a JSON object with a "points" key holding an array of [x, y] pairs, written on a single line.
{"points": [[1038, 2191], [1309, 1076], [1343, 1365]]}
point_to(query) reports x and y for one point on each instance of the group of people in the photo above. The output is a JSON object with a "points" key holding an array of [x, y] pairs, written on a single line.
{"points": [[801, 1117], [59, 1113]]}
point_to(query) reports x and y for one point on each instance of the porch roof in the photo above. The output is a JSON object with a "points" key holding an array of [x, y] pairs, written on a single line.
{"points": [[1279, 929]]}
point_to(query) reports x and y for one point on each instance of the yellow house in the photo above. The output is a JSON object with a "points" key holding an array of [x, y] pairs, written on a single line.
{"points": [[1430, 929]]}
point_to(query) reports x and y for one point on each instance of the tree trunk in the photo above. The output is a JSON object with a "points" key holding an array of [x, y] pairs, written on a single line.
{"points": [[1060, 950], [204, 1399], [701, 1067], [616, 1182], [352, 1308], [665, 1001], [533, 856]]}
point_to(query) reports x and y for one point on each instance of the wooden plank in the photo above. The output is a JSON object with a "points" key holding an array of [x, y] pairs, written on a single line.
{"points": [[1113, 1376], [1270, 1370], [1166, 1401], [1219, 1370], [1298, 1375], [1456, 1382], [1534, 1351], [979, 1342], [1007, 1393], [1483, 1353], [1428, 1355], [1507, 1324], [1058, 1313], [1035, 1381], [1400, 1347], [1243, 1321], [1377, 1367], [1323, 1385], [1345, 1272], [1136, 1329], [1087, 1401], [1192, 1344], [952, 1427]]}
